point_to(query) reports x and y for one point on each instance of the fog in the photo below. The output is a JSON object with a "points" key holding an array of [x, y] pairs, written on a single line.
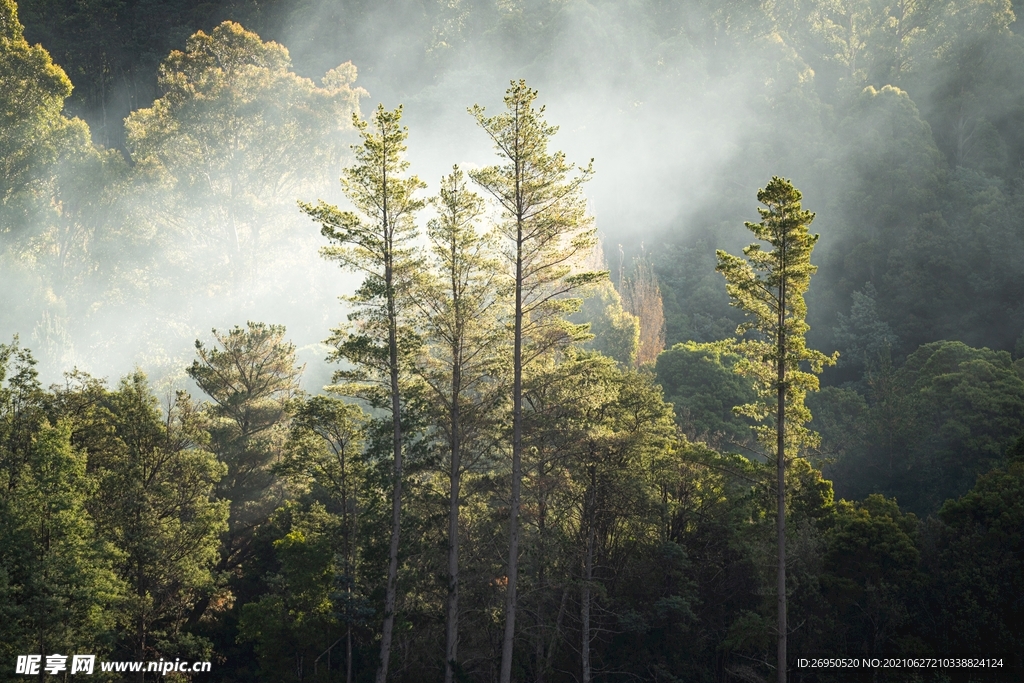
{"points": [[163, 198], [686, 111]]}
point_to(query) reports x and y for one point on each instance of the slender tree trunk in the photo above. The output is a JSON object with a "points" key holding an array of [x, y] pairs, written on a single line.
{"points": [[588, 575], [396, 422], [452, 617], [541, 668], [396, 498], [781, 493], [348, 654], [140, 626], [538, 649], [558, 628], [349, 569], [517, 464]]}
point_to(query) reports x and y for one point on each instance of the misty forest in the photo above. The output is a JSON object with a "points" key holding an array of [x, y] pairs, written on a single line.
{"points": [[535, 341]]}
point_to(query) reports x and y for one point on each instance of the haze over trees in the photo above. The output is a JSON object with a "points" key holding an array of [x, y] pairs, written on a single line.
{"points": [[532, 462]]}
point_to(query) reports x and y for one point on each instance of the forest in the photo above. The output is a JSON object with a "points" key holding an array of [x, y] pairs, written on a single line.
{"points": [[533, 341]]}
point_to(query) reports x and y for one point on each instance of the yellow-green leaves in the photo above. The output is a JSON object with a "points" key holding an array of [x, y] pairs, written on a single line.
{"points": [[544, 221], [234, 138], [375, 239], [32, 94], [769, 286]]}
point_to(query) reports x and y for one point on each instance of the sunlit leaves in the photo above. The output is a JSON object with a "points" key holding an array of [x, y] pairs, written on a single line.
{"points": [[235, 136], [769, 287]]}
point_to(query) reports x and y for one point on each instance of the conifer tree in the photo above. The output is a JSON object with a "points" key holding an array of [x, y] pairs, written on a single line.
{"points": [[376, 240], [251, 376], [461, 308], [769, 287], [546, 230], [327, 436]]}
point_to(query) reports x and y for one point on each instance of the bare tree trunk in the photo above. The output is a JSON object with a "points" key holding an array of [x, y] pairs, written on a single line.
{"points": [[349, 571], [588, 575], [538, 650], [396, 422], [540, 672], [348, 654], [452, 616], [781, 493], [517, 464], [140, 625], [558, 628], [396, 509]]}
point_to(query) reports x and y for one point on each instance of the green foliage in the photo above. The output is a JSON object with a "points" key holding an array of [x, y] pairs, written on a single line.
{"points": [[870, 574], [57, 585], [546, 233], [700, 382], [933, 425], [55, 194], [597, 439], [977, 567], [251, 376], [865, 339], [325, 442], [545, 226], [234, 137], [769, 286], [31, 126], [461, 302], [696, 307], [294, 621], [904, 118], [155, 505], [375, 240], [616, 331]]}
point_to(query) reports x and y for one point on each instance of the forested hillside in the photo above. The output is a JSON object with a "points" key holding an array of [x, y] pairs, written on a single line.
{"points": [[564, 423]]}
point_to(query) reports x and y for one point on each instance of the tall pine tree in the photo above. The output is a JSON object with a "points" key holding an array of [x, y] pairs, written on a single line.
{"points": [[461, 307], [769, 287], [546, 231], [376, 240]]}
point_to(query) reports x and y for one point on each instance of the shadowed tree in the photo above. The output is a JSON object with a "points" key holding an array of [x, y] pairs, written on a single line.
{"points": [[156, 503], [250, 374], [327, 436]]}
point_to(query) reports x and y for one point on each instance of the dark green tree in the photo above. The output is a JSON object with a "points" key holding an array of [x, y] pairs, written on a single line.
{"points": [[325, 454], [294, 620], [699, 381], [979, 564], [156, 504], [58, 590], [251, 376], [870, 576]]}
